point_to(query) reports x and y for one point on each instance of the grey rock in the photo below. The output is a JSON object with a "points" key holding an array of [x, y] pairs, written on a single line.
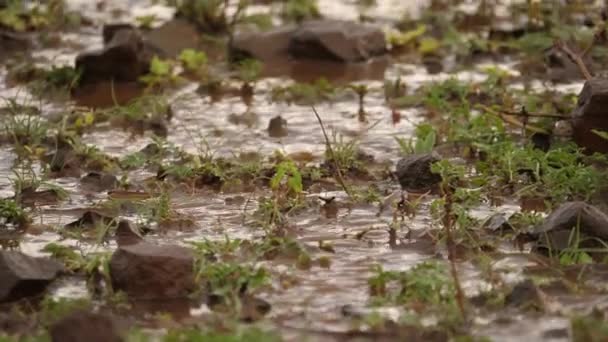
{"points": [[342, 41], [329, 40], [556, 230], [24, 276]]}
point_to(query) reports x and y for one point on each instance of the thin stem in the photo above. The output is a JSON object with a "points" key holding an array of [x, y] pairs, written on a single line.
{"points": [[447, 222], [575, 58], [339, 178]]}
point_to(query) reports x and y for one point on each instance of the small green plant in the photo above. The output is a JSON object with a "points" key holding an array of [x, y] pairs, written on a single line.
{"points": [[162, 74], [194, 62], [287, 178], [426, 138], [345, 153], [12, 213], [211, 16], [426, 283]]}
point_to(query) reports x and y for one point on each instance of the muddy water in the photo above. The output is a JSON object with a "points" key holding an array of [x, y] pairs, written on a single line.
{"points": [[315, 304]]}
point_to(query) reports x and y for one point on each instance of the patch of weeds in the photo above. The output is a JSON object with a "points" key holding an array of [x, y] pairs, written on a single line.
{"points": [[298, 10], [54, 309], [162, 74], [589, 329], [346, 154], [427, 283], [25, 131], [304, 93], [21, 16], [57, 79], [426, 138], [194, 62], [144, 113], [557, 175], [210, 16], [12, 213]]}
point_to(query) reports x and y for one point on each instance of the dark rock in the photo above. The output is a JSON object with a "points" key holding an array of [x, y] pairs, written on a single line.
{"points": [[526, 295], [341, 41], [277, 127], [414, 172], [591, 114], [149, 271], [85, 326], [126, 235], [124, 58], [330, 40], [99, 181], [556, 231], [24, 276]]}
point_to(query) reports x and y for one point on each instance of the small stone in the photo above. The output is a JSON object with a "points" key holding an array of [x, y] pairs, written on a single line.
{"points": [[526, 295], [148, 271], [99, 181], [24, 276], [277, 127], [414, 172]]}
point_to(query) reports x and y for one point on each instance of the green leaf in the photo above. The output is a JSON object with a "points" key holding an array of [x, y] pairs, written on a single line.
{"points": [[602, 134], [160, 67]]}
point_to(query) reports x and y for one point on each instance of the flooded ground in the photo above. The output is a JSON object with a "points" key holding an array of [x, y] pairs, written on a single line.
{"points": [[324, 293]]}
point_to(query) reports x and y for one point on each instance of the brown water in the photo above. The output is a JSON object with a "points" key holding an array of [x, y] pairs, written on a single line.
{"points": [[314, 304]]}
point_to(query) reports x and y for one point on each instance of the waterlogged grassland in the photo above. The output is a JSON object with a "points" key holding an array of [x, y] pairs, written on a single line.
{"points": [[298, 225]]}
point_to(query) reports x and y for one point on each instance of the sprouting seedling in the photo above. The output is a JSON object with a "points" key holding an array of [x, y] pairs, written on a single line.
{"points": [[287, 172], [248, 71], [361, 90]]}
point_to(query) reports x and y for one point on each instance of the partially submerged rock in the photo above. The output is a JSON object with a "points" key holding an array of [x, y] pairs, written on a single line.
{"points": [[99, 181], [277, 127], [414, 172], [24, 276], [526, 295], [341, 41], [85, 326], [330, 40], [124, 57], [148, 271], [556, 231], [591, 114]]}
